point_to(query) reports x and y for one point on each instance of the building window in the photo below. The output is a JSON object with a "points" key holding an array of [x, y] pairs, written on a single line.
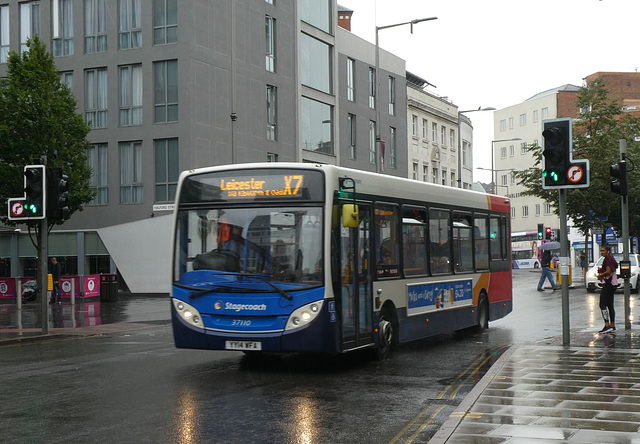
{"points": [[443, 135], [130, 172], [62, 27], [392, 147], [453, 179], [434, 132], [503, 180], [95, 26], [425, 173], [372, 142], [434, 175], [29, 22], [466, 153], [165, 87], [392, 98], [510, 122], [513, 178], [4, 33], [503, 125], [130, 32], [66, 78], [317, 13], [535, 115], [351, 80], [513, 212], [272, 122], [165, 22], [547, 208], [351, 128], [525, 211], [503, 152], [545, 113], [523, 148], [512, 150], [315, 63], [372, 88], [167, 169], [97, 156], [96, 96], [415, 171], [444, 176], [272, 157], [317, 134], [537, 210], [414, 126], [131, 95], [270, 24], [523, 119], [425, 129], [452, 139]]}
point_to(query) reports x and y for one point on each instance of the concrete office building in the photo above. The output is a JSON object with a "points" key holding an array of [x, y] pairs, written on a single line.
{"points": [[173, 85]]}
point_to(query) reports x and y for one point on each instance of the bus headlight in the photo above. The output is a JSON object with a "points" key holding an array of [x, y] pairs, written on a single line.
{"points": [[188, 313], [304, 315]]}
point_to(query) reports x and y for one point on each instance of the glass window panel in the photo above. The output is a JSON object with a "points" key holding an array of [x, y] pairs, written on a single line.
{"points": [[439, 245], [317, 134], [315, 63], [481, 241]]}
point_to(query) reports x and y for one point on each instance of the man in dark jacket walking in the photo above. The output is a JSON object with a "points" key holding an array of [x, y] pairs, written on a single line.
{"points": [[54, 270], [545, 263]]}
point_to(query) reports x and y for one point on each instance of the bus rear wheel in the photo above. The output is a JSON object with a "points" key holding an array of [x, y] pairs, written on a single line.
{"points": [[387, 333], [483, 312]]}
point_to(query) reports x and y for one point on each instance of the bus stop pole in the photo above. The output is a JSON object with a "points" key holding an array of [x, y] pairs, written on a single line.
{"points": [[564, 265]]}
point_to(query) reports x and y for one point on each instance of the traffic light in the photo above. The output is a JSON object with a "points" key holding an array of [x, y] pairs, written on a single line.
{"points": [[560, 170], [57, 193], [547, 233], [540, 231], [35, 189], [557, 145], [619, 173]]}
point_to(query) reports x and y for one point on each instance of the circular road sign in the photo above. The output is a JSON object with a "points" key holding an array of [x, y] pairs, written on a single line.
{"points": [[17, 209], [575, 173]]}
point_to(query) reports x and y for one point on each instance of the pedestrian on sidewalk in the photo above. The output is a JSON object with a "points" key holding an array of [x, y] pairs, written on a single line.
{"points": [[54, 270], [545, 263], [609, 278]]}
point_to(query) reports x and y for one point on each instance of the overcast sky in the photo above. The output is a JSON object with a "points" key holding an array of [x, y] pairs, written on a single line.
{"points": [[498, 53]]}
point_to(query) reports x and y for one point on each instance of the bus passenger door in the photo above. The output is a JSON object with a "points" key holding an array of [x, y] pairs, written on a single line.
{"points": [[356, 283]]}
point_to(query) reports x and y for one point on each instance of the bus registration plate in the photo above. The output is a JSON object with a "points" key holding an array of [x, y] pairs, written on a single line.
{"points": [[243, 345]]}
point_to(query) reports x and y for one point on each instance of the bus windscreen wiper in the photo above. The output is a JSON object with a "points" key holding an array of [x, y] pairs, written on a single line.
{"points": [[265, 278], [218, 289]]}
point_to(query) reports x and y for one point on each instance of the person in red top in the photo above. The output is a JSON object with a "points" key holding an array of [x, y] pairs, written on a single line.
{"points": [[607, 274]]}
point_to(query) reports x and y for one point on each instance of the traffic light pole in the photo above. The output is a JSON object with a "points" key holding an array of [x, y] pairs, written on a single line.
{"points": [[564, 265], [43, 266], [624, 203]]}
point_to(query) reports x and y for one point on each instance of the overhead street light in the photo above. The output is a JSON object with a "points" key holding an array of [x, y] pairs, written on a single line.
{"points": [[377, 84]]}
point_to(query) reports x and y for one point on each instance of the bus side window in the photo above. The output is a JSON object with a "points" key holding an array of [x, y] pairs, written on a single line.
{"points": [[481, 241], [439, 245], [414, 241]]}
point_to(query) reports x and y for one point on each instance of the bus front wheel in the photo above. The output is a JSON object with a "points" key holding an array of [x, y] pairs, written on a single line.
{"points": [[483, 312], [387, 333]]}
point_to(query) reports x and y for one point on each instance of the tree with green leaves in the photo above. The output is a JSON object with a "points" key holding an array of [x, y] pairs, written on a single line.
{"points": [[38, 118], [600, 125], [38, 121]]}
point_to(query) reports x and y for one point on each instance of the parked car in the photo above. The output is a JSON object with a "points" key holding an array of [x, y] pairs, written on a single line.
{"points": [[592, 283]]}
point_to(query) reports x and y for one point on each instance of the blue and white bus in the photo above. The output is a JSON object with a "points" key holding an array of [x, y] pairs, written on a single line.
{"points": [[292, 257]]}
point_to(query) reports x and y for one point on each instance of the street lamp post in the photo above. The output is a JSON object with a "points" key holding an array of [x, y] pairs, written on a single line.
{"points": [[493, 155], [460, 113], [377, 83]]}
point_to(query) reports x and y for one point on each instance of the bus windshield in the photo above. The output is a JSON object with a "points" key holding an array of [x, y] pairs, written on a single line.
{"points": [[279, 244]]}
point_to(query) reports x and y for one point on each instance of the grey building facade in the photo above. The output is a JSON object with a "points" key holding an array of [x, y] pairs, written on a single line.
{"points": [[173, 85]]}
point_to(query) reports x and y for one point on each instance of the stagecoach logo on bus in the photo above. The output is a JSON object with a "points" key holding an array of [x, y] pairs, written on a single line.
{"points": [[239, 307], [434, 296]]}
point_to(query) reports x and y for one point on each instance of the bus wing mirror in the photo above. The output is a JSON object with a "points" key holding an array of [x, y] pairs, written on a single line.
{"points": [[350, 216]]}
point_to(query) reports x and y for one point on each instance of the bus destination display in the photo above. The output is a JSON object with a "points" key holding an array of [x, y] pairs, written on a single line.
{"points": [[290, 185]]}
